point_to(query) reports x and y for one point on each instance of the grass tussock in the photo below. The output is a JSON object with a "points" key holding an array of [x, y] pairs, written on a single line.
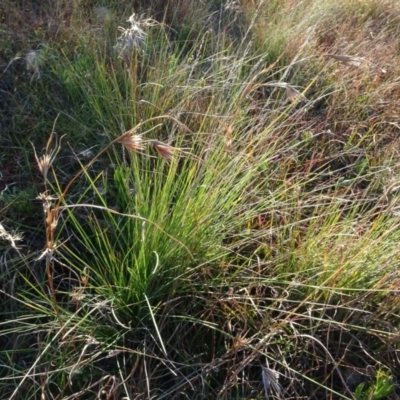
{"points": [[199, 201]]}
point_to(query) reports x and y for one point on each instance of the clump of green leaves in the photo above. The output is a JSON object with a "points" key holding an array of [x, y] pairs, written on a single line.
{"points": [[380, 389]]}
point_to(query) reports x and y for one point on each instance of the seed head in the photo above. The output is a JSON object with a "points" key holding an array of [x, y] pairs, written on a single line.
{"points": [[131, 141], [46, 160], [44, 163], [348, 60], [293, 95], [163, 150]]}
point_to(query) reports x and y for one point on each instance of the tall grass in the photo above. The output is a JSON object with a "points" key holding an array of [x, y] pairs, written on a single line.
{"points": [[220, 214]]}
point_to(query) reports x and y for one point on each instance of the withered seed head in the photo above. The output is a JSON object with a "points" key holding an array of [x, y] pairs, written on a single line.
{"points": [[163, 150], [348, 60], [293, 95], [130, 141], [46, 160], [44, 163]]}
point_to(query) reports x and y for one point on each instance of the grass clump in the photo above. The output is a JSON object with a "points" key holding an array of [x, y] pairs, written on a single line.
{"points": [[213, 214]]}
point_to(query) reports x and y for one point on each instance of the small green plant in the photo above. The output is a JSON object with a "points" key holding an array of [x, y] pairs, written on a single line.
{"points": [[21, 199], [380, 389]]}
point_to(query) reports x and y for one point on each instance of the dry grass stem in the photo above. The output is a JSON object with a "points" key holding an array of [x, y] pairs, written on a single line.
{"points": [[51, 221]]}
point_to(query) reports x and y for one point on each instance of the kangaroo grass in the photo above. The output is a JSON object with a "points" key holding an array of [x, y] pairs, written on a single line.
{"points": [[211, 230]]}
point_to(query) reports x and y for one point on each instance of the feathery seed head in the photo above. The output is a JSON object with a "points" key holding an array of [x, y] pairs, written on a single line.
{"points": [[46, 160], [163, 150], [131, 141], [44, 163], [131, 38]]}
